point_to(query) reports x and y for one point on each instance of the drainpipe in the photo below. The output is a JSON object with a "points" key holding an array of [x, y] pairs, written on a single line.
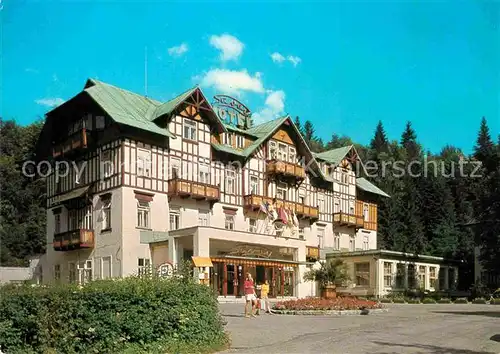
{"points": [[377, 280]]}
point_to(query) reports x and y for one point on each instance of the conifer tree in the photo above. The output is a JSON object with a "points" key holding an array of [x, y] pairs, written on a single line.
{"points": [[298, 125], [308, 132], [409, 142], [379, 142]]}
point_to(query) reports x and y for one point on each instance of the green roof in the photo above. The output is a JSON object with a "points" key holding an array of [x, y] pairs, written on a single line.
{"points": [[168, 107], [125, 107], [228, 149], [367, 186], [334, 156], [266, 128]]}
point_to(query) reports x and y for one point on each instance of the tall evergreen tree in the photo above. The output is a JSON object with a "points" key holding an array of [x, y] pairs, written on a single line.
{"points": [[338, 141], [298, 125], [308, 132], [379, 142], [409, 142], [484, 150]]}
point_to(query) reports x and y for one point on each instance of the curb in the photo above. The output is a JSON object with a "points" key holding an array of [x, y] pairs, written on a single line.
{"points": [[327, 312]]}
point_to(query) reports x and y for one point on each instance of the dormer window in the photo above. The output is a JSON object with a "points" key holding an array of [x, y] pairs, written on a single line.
{"points": [[272, 150], [293, 155], [282, 152], [228, 139], [189, 129], [240, 141]]}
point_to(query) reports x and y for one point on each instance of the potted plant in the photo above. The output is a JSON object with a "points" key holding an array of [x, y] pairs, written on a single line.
{"points": [[328, 274]]}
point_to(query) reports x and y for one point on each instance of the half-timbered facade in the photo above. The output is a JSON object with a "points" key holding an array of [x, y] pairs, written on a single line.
{"points": [[136, 183]]}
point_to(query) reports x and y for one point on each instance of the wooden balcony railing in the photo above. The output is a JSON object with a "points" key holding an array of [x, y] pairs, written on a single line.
{"points": [[190, 189], [285, 168], [253, 202], [350, 220], [74, 142], [75, 239]]}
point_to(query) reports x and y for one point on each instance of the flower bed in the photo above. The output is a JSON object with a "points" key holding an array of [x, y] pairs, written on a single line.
{"points": [[319, 304]]}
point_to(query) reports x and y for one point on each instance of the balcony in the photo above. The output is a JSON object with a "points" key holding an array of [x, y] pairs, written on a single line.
{"points": [[73, 143], [349, 220], [189, 189], [73, 240], [253, 202], [286, 169]]}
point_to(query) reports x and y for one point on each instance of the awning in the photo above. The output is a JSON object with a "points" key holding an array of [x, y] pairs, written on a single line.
{"points": [[253, 261], [76, 193], [202, 261]]}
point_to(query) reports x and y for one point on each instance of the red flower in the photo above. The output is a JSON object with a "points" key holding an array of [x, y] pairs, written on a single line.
{"points": [[337, 304]]}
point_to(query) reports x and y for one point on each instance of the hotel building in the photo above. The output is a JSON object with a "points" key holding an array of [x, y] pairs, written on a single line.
{"points": [[152, 183]]}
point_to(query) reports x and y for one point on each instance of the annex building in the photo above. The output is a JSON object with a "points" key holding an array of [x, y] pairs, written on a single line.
{"points": [[154, 183]]}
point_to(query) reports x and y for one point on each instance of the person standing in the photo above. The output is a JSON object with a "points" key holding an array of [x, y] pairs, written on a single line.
{"points": [[250, 297], [264, 292]]}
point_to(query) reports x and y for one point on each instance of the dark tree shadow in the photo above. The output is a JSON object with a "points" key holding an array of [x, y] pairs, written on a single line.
{"points": [[471, 313], [495, 337], [429, 348]]}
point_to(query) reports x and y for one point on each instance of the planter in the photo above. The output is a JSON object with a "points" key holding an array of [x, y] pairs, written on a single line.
{"points": [[329, 292]]}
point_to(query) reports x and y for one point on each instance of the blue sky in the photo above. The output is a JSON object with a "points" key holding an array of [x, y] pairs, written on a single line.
{"points": [[344, 66]]}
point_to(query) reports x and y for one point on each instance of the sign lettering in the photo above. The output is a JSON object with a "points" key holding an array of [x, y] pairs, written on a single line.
{"points": [[250, 251], [232, 111]]}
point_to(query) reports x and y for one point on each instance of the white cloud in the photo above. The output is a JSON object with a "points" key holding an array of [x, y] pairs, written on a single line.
{"points": [[50, 102], [294, 60], [232, 81], [277, 57], [230, 46], [274, 107], [177, 51]]}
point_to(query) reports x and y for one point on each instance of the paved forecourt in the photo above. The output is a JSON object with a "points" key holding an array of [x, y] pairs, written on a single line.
{"points": [[419, 328]]}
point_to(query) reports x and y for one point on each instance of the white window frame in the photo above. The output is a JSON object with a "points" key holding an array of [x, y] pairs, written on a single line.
{"points": [[240, 141], [110, 267], [422, 276], [292, 154], [228, 139], [252, 225], [301, 232], [57, 223], [85, 271], [388, 276], [336, 205], [87, 223], [366, 212], [143, 163], [106, 214], [362, 276], [143, 214], [352, 208], [204, 173], [189, 129], [57, 272], [321, 237], [175, 168], [174, 220], [352, 243], [282, 154], [229, 222], [432, 277], [336, 241], [366, 243], [273, 150], [230, 181], [254, 185], [72, 272], [321, 204], [302, 196], [107, 164], [281, 187], [203, 218], [143, 266]]}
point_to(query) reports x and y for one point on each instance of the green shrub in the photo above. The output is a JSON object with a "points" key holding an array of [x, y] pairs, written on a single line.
{"points": [[495, 301], [413, 301], [479, 301], [428, 300], [385, 300], [444, 300], [110, 316], [461, 300], [399, 300]]}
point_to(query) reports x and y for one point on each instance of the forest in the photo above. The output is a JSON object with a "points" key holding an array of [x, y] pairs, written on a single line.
{"points": [[443, 211]]}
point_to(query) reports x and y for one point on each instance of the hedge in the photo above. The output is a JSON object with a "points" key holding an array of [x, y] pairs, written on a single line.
{"points": [[461, 300], [130, 315], [495, 301], [479, 301]]}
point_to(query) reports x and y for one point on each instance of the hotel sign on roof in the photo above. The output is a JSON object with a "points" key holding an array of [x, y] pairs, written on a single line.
{"points": [[231, 111]]}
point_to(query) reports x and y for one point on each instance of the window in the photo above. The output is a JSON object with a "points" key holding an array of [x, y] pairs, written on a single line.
{"points": [[442, 278], [301, 232], [344, 176], [203, 218], [321, 236], [321, 204], [228, 139], [204, 172], [229, 222], [143, 163], [106, 164], [272, 150], [106, 214], [365, 243], [400, 275], [87, 219], [143, 214], [336, 241], [230, 181], [106, 267], [282, 152], [387, 274], [432, 277], [351, 207], [365, 212], [412, 276], [99, 122], [189, 129], [281, 189], [240, 141], [302, 196], [72, 220], [421, 276], [57, 272], [175, 168], [85, 272], [293, 155], [352, 244], [362, 274], [336, 205], [175, 219], [252, 225], [72, 272], [254, 185], [57, 223], [143, 266]]}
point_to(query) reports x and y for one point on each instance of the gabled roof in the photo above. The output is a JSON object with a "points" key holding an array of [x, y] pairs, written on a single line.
{"points": [[168, 107], [228, 149], [125, 107], [369, 187], [334, 156]]}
